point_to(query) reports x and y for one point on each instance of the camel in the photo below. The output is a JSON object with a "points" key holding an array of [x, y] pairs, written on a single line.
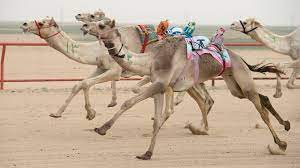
{"points": [[85, 53], [89, 17], [107, 69], [168, 67], [132, 40], [287, 44]]}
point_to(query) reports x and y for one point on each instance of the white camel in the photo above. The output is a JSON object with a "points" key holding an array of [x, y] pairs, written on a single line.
{"points": [[168, 67], [286, 44]]}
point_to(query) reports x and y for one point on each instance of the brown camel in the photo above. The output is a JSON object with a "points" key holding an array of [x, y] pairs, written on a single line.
{"points": [[168, 67]]}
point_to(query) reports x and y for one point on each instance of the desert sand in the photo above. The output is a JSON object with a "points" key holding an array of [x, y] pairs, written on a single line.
{"points": [[31, 139]]}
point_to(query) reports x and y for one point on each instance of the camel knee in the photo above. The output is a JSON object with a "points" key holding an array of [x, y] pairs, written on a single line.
{"points": [[85, 85], [127, 104], [77, 87]]}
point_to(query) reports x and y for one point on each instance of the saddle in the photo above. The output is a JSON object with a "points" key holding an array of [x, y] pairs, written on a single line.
{"points": [[147, 35], [199, 45]]}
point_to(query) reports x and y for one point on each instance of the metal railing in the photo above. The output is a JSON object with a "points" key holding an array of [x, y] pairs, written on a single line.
{"points": [[6, 44]]}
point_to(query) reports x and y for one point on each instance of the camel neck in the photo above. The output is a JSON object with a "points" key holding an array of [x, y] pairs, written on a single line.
{"points": [[133, 62], [275, 42], [69, 47]]}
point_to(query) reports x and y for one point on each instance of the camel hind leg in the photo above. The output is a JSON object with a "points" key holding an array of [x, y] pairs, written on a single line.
{"points": [[243, 81], [292, 79], [205, 103], [266, 103]]}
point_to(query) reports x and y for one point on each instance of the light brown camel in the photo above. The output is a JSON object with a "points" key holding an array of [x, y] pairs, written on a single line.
{"points": [[86, 53], [287, 44], [168, 67], [202, 97], [131, 39]]}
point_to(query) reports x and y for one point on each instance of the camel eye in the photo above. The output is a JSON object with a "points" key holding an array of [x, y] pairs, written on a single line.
{"points": [[92, 16], [40, 24], [244, 23], [101, 26]]}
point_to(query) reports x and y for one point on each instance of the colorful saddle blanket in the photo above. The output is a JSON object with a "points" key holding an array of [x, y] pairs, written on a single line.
{"points": [[145, 30], [199, 45]]}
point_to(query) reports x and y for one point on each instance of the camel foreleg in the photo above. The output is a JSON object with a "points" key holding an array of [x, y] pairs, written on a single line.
{"points": [[137, 88], [76, 88], [153, 89]]}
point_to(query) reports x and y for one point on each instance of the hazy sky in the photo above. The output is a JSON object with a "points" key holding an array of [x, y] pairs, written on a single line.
{"points": [[270, 12]]}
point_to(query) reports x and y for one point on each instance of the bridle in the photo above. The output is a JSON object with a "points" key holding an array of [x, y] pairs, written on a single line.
{"points": [[109, 49], [244, 28], [40, 28]]}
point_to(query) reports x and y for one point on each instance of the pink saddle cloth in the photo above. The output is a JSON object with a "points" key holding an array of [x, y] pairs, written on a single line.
{"points": [[223, 59]]}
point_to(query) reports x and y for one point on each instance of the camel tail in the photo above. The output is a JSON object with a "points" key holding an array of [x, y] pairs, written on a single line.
{"points": [[263, 68]]}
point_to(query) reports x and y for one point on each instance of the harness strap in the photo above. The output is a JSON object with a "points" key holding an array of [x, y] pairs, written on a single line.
{"points": [[244, 28], [224, 66], [117, 55], [39, 29], [146, 39]]}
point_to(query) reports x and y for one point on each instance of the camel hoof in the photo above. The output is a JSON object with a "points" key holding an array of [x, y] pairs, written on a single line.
{"points": [[91, 114], [55, 115], [102, 130], [274, 151], [290, 86], [282, 145], [196, 131], [287, 125], [146, 156], [112, 104], [277, 95]]}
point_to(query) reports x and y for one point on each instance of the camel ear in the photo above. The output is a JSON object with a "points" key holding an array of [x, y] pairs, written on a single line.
{"points": [[112, 24], [52, 22]]}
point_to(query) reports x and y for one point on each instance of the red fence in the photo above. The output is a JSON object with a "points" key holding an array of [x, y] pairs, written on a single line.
{"points": [[5, 44]]}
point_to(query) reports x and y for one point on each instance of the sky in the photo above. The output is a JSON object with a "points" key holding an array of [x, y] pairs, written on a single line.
{"points": [[208, 12]]}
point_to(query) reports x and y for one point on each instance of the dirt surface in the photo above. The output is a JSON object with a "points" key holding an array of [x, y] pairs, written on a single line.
{"points": [[31, 139]]}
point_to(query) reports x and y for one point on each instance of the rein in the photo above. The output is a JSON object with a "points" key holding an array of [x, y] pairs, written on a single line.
{"points": [[40, 28], [244, 28], [115, 55]]}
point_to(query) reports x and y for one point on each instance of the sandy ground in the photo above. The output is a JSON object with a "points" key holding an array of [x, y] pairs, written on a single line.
{"points": [[31, 139]]}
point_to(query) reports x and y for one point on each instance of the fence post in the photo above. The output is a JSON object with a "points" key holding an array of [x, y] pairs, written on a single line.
{"points": [[213, 82], [2, 67]]}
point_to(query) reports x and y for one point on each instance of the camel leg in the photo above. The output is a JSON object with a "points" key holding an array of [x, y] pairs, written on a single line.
{"points": [[292, 79], [114, 94], [243, 85], [278, 92], [153, 89], [169, 108], [86, 84], [179, 98], [137, 88], [157, 124], [205, 102], [75, 91], [266, 103]]}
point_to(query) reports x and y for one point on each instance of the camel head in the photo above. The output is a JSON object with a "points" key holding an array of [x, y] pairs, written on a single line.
{"points": [[245, 26], [102, 29], [44, 28], [90, 17]]}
